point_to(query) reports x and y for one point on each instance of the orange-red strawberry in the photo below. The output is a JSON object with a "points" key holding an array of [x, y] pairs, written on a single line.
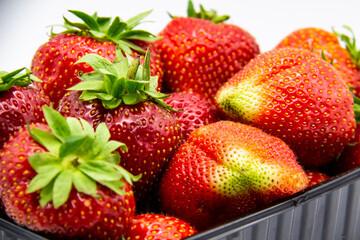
{"points": [[157, 227], [194, 111], [126, 99], [63, 178], [295, 95], [19, 102], [54, 61], [315, 177], [326, 44], [226, 169], [199, 55]]}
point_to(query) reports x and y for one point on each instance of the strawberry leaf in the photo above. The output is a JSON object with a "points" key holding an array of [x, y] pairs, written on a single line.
{"points": [[16, 78], [42, 159], [57, 123], [46, 139], [62, 188], [71, 145], [75, 126], [46, 194], [89, 20], [45, 175], [114, 185], [99, 171], [84, 184]]}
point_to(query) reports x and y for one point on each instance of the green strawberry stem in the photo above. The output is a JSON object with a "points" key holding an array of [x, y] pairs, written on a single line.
{"points": [[16, 78], [117, 30], [77, 157], [350, 43], [123, 81], [204, 14]]}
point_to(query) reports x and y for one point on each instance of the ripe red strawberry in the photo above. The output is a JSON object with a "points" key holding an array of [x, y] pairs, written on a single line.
{"points": [[315, 177], [199, 55], [323, 42], [133, 111], [349, 159], [194, 111], [63, 179], [158, 227], [19, 102], [296, 96], [227, 169], [54, 61]]}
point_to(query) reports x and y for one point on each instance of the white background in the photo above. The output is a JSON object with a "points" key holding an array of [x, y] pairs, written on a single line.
{"points": [[24, 23]]}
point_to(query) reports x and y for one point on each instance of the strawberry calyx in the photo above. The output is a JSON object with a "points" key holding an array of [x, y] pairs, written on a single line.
{"points": [[210, 15], [77, 157], [350, 44], [115, 30], [16, 78], [123, 81]]}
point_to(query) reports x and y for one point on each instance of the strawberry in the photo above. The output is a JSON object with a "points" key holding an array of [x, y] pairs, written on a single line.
{"points": [[54, 61], [349, 158], [315, 177], [326, 44], [199, 55], [194, 111], [62, 178], [19, 102], [227, 169], [158, 227], [133, 111], [295, 95]]}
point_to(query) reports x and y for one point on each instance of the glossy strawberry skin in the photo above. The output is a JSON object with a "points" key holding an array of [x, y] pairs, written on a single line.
{"points": [[19, 105], [151, 134], [158, 227], [81, 217], [91, 111], [315, 177], [200, 56], [318, 41], [195, 111], [349, 158], [296, 96], [225, 170]]}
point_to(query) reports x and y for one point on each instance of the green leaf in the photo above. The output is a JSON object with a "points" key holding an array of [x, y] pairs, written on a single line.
{"points": [[57, 123], [46, 194], [146, 66], [75, 126], [88, 129], [136, 20], [116, 186], [45, 175], [62, 188], [116, 27], [38, 160], [119, 87], [112, 103], [99, 171], [89, 20], [102, 136], [94, 85], [71, 145], [46, 139], [110, 147], [96, 62], [91, 76], [84, 184]]}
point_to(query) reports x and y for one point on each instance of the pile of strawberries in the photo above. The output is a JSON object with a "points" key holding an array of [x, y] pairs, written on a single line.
{"points": [[114, 132]]}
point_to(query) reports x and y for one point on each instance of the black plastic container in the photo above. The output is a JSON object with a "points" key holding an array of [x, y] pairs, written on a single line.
{"points": [[327, 211]]}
